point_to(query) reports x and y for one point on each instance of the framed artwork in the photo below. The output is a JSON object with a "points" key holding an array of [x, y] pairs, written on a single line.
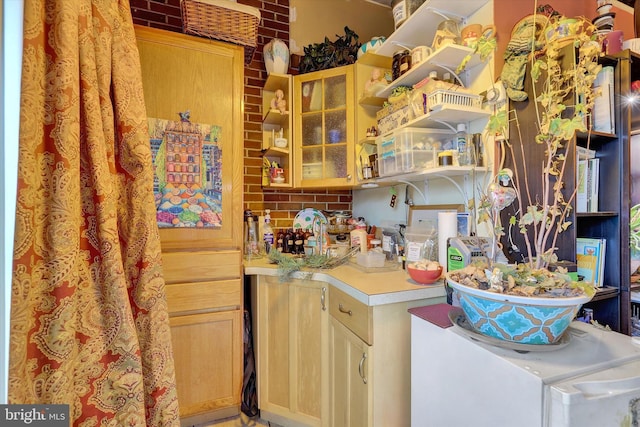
{"points": [[187, 181]]}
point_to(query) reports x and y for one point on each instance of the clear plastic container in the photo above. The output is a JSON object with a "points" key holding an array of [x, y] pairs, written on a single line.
{"points": [[371, 259], [421, 242]]}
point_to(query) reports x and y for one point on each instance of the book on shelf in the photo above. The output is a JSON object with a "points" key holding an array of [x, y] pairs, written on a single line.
{"points": [[584, 153], [587, 183], [593, 186], [590, 259], [603, 112], [581, 184]]}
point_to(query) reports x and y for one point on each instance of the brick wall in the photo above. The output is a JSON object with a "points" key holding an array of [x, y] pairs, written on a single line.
{"points": [[165, 14]]}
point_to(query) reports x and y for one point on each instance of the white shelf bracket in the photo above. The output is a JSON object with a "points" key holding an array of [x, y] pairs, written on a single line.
{"points": [[447, 15], [461, 190]]}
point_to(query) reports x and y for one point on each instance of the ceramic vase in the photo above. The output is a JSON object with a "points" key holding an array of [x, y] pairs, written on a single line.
{"points": [[276, 57]]}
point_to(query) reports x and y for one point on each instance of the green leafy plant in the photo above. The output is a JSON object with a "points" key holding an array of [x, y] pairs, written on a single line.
{"points": [[483, 47], [331, 54], [566, 98]]}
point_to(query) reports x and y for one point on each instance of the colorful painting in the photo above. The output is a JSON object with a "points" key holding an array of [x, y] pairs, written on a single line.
{"points": [[187, 183]]}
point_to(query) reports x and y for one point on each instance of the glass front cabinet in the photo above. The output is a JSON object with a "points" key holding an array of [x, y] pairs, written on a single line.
{"points": [[324, 128]]}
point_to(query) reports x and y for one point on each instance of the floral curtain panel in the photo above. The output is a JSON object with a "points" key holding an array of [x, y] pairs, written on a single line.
{"points": [[89, 322]]}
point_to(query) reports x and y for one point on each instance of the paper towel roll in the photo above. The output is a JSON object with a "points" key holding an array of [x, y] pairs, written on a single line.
{"points": [[447, 227]]}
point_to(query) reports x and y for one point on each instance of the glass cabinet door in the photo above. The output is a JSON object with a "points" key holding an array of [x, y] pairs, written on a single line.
{"points": [[324, 125]]}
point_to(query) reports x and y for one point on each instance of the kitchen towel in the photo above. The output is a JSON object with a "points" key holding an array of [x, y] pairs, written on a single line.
{"points": [[447, 227]]}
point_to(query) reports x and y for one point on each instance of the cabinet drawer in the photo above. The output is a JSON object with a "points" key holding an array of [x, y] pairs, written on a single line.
{"points": [[203, 296], [352, 313], [182, 267]]}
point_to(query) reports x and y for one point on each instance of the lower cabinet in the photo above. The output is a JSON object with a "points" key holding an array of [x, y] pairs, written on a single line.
{"points": [[205, 316], [351, 378], [292, 350], [206, 349], [326, 359]]}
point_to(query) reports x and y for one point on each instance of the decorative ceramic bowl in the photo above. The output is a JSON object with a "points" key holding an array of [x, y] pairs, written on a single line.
{"points": [[424, 277], [519, 319]]}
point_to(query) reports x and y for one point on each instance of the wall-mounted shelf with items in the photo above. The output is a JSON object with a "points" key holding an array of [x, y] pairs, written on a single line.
{"points": [[447, 58], [277, 131], [420, 27]]}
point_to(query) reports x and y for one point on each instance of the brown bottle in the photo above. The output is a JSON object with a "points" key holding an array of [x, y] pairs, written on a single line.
{"points": [[299, 241], [280, 241], [288, 242]]}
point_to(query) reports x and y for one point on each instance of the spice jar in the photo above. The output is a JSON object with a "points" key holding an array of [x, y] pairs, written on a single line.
{"points": [[405, 62], [401, 63]]}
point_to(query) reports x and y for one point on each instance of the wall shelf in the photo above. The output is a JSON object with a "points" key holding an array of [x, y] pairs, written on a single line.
{"points": [[421, 26]]}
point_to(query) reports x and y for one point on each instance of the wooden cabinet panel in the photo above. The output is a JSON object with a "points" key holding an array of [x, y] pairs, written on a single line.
{"points": [[182, 267], [208, 358], [352, 313], [292, 346], [186, 298], [180, 73], [351, 378], [202, 265]]}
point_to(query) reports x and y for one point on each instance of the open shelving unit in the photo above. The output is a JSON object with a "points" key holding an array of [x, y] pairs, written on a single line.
{"points": [[272, 122]]}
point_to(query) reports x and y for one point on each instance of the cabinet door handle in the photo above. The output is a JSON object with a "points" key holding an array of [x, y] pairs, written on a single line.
{"points": [[342, 310], [323, 298], [361, 368]]}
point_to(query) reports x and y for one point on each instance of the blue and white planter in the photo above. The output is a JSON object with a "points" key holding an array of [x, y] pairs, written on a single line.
{"points": [[371, 46]]}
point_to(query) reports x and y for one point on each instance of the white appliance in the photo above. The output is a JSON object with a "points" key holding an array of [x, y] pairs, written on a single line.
{"points": [[458, 381]]}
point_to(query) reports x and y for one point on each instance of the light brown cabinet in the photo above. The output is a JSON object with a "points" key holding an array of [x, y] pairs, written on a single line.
{"points": [[324, 126], [291, 336], [202, 265], [351, 378], [327, 359]]}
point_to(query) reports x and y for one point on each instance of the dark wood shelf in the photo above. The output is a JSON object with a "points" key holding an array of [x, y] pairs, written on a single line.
{"points": [[603, 214], [605, 292]]}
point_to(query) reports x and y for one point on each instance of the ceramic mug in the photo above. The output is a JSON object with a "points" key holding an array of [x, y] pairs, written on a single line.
{"points": [[447, 33], [471, 33], [419, 54], [612, 42]]}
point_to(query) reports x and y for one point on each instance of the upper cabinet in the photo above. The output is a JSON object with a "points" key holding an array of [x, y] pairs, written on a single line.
{"points": [[277, 131], [324, 128]]}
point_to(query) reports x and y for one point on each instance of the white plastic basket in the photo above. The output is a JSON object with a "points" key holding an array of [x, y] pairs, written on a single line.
{"points": [[440, 98]]}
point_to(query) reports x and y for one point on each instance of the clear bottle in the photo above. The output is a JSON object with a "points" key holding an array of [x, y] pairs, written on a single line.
{"points": [[464, 146], [267, 231]]}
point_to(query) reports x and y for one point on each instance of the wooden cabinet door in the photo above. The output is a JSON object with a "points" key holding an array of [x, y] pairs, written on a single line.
{"points": [[292, 350], [350, 388], [186, 73], [208, 359], [324, 137]]}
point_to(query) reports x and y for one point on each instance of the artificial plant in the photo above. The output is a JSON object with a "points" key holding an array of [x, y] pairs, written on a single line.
{"points": [[331, 54]]}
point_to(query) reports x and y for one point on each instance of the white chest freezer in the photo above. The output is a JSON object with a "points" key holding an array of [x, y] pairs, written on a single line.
{"points": [[591, 379]]}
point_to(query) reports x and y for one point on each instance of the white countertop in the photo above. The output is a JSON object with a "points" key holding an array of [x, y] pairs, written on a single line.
{"points": [[381, 288]]}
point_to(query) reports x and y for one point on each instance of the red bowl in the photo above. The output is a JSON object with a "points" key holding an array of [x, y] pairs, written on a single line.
{"points": [[424, 277]]}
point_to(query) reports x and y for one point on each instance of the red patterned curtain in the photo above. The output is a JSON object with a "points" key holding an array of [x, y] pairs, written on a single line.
{"points": [[89, 322]]}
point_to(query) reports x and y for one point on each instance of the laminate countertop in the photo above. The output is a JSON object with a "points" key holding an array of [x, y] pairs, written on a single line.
{"points": [[370, 288]]}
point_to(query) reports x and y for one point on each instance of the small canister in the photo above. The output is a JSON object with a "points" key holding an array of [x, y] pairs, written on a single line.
{"points": [[445, 158]]}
